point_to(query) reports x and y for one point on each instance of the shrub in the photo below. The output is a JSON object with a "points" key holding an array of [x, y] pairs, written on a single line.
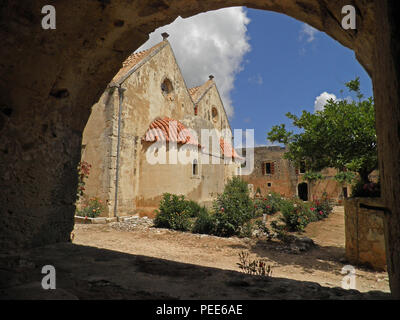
{"points": [[280, 231], [265, 206], [263, 229], [205, 222], [193, 208], [246, 231], [259, 208], [233, 208], [91, 209], [296, 216], [322, 208], [269, 204], [306, 208], [173, 213]]}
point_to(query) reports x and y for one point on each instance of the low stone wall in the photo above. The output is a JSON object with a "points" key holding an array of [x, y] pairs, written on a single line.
{"points": [[365, 236]]}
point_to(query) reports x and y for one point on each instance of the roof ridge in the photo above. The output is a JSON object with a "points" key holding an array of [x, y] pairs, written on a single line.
{"points": [[134, 54], [197, 94], [134, 59]]}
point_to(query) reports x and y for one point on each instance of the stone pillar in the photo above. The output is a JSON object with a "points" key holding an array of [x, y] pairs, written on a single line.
{"points": [[365, 234], [49, 81], [386, 80], [39, 151]]}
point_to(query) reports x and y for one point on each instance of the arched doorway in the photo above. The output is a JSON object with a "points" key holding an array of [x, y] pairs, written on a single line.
{"points": [[46, 97], [44, 112], [302, 190]]}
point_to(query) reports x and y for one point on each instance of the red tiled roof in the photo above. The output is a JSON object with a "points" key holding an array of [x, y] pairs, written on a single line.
{"points": [[168, 129], [227, 150], [192, 91], [197, 92], [133, 60]]}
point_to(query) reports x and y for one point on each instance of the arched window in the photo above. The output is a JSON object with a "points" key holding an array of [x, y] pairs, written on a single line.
{"points": [[195, 168], [166, 86]]}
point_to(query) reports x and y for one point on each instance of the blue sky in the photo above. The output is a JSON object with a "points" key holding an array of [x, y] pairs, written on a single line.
{"points": [[265, 64], [285, 72]]}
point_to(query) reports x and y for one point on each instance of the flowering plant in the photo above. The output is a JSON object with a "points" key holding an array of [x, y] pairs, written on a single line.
{"points": [[267, 205], [296, 215], [91, 209], [83, 173], [322, 208]]}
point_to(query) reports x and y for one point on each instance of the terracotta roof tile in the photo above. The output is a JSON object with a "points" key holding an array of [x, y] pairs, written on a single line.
{"points": [[192, 91], [134, 59], [197, 92], [227, 150], [168, 129]]}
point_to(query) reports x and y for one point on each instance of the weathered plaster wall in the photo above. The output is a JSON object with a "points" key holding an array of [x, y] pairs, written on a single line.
{"points": [[156, 179], [210, 100], [328, 186], [99, 142], [365, 239], [285, 178], [141, 184], [143, 102]]}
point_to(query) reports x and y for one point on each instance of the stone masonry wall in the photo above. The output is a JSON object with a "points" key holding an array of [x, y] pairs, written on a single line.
{"points": [[365, 240]]}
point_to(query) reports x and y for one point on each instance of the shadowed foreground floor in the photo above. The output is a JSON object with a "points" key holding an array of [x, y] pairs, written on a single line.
{"points": [[91, 273]]}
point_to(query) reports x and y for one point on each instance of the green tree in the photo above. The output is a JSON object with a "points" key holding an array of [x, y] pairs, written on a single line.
{"points": [[341, 136]]}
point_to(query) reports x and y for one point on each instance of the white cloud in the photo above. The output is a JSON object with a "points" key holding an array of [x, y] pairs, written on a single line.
{"points": [[322, 100], [258, 79], [214, 43], [309, 32]]}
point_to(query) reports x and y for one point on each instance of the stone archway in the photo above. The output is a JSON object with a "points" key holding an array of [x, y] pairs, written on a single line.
{"points": [[51, 78]]}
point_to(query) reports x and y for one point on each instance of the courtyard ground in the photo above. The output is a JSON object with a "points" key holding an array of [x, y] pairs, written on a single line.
{"points": [[322, 264], [124, 261]]}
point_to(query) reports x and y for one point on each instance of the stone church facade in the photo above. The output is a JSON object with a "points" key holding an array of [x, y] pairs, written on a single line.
{"points": [[147, 103]]}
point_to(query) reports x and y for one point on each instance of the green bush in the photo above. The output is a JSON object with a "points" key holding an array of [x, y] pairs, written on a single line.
{"points": [[259, 208], [205, 223], [246, 231], [275, 201], [267, 205], [173, 213], [321, 208], [91, 208], [280, 231], [193, 208], [296, 216], [233, 208], [261, 227]]}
